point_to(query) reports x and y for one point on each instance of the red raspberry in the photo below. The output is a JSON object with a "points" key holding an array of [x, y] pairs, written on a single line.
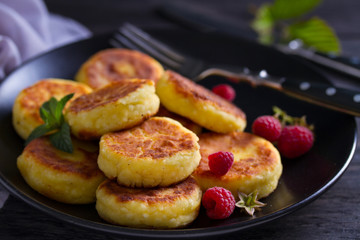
{"points": [[220, 162], [267, 127], [218, 202], [225, 91], [294, 141]]}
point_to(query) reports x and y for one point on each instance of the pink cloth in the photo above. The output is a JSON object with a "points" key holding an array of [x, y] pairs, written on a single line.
{"points": [[28, 29]]}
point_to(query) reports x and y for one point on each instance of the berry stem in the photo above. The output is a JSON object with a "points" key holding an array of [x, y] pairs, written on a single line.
{"points": [[286, 119]]}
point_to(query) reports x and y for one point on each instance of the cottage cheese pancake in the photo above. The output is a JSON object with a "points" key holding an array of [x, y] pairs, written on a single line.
{"points": [[65, 177], [164, 207], [26, 116], [159, 152], [114, 65], [257, 164], [186, 98], [117, 106]]}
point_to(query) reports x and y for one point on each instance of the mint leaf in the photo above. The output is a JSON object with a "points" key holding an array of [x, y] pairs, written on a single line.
{"points": [[283, 21], [285, 9], [62, 139], [52, 105], [60, 106], [44, 114], [315, 33], [44, 111], [48, 118], [46, 106], [38, 132], [263, 24], [51, 114]]}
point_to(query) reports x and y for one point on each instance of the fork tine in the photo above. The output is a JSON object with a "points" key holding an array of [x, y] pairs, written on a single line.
{"points": [[119, 41], [161, 47], [134, 42]]}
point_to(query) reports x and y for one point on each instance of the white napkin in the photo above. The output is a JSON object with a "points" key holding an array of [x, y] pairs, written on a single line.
{"points": [[28, 29]]}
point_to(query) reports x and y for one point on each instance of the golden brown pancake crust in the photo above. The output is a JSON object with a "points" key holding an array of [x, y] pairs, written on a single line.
{"points": [[42, 91], [108, 94], [150, 195], [196, 92], [111, 58], [163, 139], [44, 153], [258, 161]]}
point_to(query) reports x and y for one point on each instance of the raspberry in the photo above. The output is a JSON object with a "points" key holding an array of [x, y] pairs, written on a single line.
{"points": [[267, 127], [220, 162], [225, 91], [295, 140], [218, 202]]}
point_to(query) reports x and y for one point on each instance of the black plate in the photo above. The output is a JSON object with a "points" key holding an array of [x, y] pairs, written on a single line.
{"points": [[303, 179]]}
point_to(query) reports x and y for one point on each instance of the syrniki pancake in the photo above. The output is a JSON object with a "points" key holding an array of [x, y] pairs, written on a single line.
{"points": [[65, 177], [114, 65], [167, 207], [117, 106], [186, 98], [163, 112], [159, 152], [257, 164], [26, 116]]}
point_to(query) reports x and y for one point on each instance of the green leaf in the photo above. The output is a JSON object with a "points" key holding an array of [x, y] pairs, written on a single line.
{"points": [[263, 24], [52, 105], [38, 132], [286, 9], [48, 118], [317, 34], [51, 113], [62, 139], [46, 113], [60, 106], [46, 106]]}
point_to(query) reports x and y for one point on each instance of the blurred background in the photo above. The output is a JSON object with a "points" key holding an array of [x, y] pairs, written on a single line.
{"points": [[106, 15]]}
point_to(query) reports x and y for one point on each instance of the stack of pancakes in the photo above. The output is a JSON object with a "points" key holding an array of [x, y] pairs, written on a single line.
{"points": [[148, 166]]}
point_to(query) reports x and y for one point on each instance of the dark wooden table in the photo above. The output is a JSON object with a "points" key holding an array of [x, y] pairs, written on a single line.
{"points": [[334, 215]]}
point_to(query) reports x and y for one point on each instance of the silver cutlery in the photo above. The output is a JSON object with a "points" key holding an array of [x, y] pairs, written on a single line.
{"points": [[326, 95]]}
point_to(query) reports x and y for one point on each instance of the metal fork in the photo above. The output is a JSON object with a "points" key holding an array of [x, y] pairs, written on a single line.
{"points": [[132, 37], [327, 95]]}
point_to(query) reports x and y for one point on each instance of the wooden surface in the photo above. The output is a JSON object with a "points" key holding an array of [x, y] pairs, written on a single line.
{"points": [[334, 215]]}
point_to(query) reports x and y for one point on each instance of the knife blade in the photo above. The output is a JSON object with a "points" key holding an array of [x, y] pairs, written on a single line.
{"points": [[190, 18]]}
